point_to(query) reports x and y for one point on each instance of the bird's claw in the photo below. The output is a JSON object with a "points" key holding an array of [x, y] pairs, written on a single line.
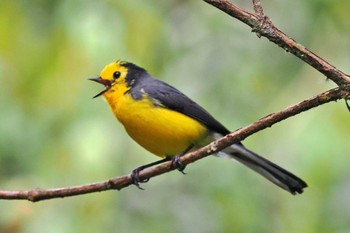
{"points": [[135, 178], [176, 163]]}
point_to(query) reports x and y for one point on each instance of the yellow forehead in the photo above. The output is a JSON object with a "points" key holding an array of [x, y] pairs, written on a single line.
{"points": [[107, 72]]}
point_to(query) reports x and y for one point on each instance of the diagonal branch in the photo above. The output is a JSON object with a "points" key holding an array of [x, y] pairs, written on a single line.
{"points": [[263, 26], [124, 181]]}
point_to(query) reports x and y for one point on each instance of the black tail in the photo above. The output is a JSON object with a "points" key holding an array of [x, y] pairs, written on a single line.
{"points": [[264, 167]]}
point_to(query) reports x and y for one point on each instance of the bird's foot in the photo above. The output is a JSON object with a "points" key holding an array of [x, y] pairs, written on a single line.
{"points": [[135, 177], [176, 163]]}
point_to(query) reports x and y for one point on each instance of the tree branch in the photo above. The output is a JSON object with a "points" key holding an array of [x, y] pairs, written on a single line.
{"points": [[263, 26], [121, 182]]}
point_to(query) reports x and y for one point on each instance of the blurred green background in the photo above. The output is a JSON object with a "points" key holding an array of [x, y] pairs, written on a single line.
{"points": [[52, 134]]}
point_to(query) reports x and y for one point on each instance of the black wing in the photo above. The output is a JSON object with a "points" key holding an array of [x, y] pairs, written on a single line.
{"points": [[171, 98]]}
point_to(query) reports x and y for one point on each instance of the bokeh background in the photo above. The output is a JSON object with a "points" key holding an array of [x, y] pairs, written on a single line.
{"points": [[53, 134]]}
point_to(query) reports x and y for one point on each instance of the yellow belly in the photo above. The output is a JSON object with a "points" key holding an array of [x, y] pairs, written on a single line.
{"points": [[161, 131]]}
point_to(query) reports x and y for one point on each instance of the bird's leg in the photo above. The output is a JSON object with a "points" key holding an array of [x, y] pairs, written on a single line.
{"points": [[176, 163], [135, 173]]}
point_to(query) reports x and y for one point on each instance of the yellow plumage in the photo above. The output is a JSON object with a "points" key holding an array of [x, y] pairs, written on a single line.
{"points": [[154, 127]]}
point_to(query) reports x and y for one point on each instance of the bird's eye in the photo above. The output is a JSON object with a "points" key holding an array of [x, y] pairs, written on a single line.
{"points": [[116, 75]]}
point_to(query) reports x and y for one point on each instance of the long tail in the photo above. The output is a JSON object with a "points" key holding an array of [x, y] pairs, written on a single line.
{"points": [[264, 167]]}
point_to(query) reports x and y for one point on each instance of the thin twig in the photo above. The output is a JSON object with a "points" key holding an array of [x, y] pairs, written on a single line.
{"points": [[272, 33], [258, 9], [124, 181]]}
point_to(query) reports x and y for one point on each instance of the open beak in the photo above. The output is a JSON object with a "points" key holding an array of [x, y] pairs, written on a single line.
{"points": [[104, 82]]}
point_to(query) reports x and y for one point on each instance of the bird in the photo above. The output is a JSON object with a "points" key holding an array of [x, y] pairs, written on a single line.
{"points": [[167, 123]]}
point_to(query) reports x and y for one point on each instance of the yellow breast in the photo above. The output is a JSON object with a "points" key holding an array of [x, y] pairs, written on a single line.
{"points": [[161, 131]]}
